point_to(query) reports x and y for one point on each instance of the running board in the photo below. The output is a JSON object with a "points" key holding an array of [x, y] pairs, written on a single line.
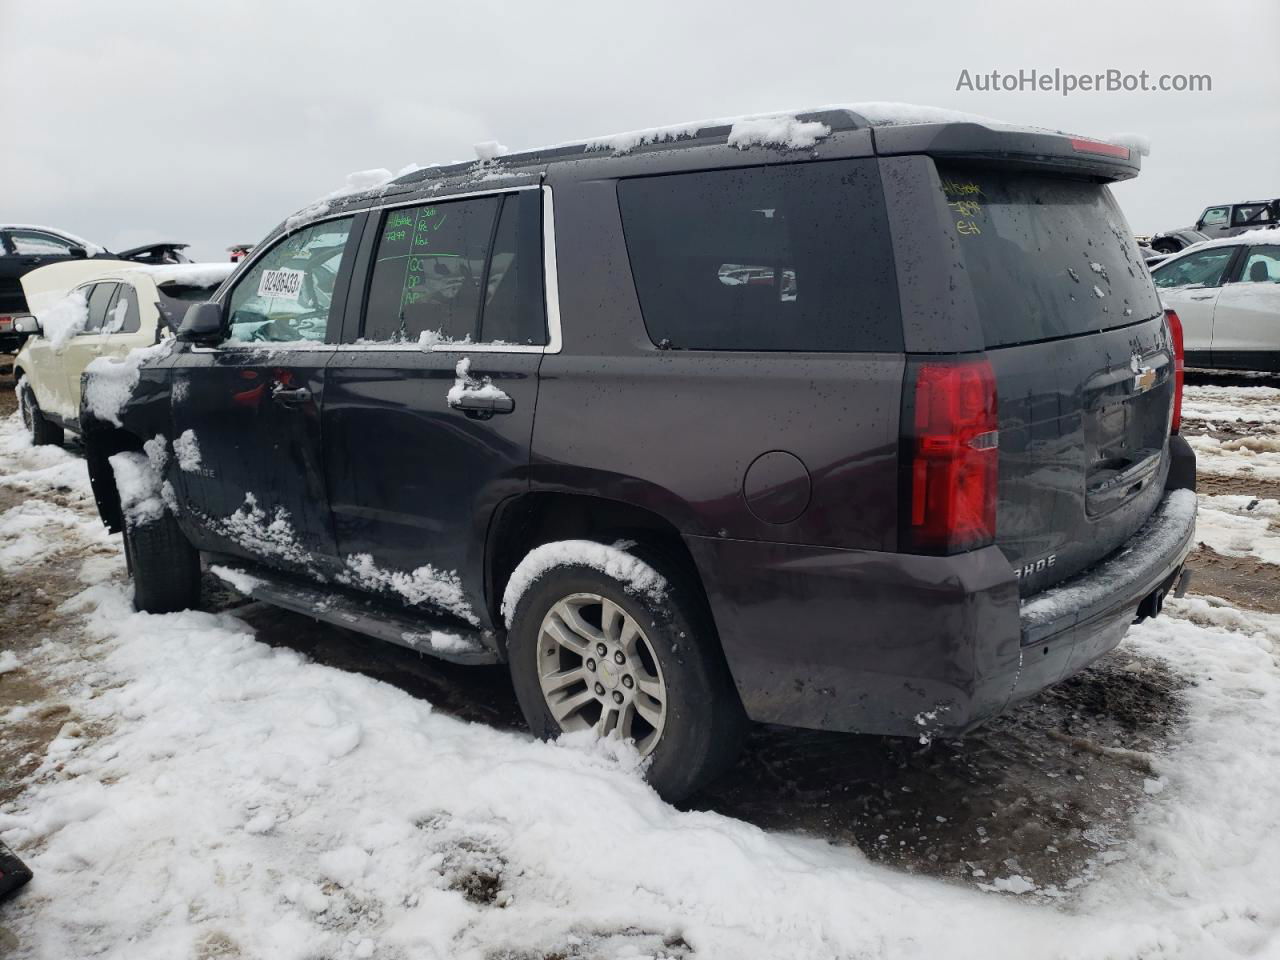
{"points": [[438, 636]]}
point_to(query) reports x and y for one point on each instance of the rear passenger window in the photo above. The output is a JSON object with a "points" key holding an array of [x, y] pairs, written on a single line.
{"points": [[462, 271], [99, 301], [792, 257], [122, 317]]}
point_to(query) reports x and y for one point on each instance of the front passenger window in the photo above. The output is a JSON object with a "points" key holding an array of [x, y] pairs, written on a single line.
{"points": [[1203, 269], [288, 294]]}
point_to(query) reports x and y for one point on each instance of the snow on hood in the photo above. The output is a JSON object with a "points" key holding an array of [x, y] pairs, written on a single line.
{"points": [[188, 274]]}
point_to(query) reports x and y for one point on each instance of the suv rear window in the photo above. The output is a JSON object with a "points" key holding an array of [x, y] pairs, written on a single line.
{"points": [[1046, 257], [790, 257]]}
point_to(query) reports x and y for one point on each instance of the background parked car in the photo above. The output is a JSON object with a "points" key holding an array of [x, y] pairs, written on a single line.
{"points": [[99, 309], [27, 247], [1175, 240], [1222, 220], [1227, 294]]}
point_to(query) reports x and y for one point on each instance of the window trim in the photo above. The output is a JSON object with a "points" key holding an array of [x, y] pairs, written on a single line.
{"points": [[550, 279]]}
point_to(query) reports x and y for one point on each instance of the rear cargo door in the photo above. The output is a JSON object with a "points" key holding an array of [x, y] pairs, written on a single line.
{"points": [[1082, 357]]}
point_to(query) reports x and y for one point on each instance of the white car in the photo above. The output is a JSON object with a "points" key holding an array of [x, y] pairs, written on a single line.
{"points": [[93, 308], [1227, 295]]}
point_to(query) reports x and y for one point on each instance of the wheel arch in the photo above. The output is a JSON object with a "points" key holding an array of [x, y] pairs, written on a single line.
{"points": [[526, 521]]}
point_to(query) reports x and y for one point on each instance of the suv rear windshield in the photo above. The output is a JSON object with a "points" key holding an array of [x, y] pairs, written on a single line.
{"points": [[789, 257], [1046, 256]]}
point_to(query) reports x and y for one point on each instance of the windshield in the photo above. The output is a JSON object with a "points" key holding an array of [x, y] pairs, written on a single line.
{"points": [[1046, 256]]}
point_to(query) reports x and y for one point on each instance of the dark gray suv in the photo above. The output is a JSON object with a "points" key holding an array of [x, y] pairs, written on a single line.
{"points": [[873, 430]]}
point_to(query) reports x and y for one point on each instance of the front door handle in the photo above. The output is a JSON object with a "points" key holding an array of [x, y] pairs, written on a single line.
{"points": [[479, 404], [1207, 296], [290, 397]]}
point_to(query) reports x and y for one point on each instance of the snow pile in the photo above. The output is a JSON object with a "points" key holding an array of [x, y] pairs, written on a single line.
{"points": [[1256, 456], [1120, 571], [1137, 142], [439, 641], [438, 588], [1216, 405], [66, 318], [187, 450], [8, 662], [786, 132], [465, 385], [1240, 526], [357, 182], [139, 485], [188, 274], [260, 535], [110, 382], [489, 151], [238, 579], [1260, 235], [613, 561]]}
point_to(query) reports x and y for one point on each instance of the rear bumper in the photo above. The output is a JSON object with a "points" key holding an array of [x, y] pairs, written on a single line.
{"points": [[896, 644]]}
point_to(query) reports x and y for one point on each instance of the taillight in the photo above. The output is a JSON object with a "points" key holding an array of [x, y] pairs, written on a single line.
{"points": [[950, 456], [1179, 368]]}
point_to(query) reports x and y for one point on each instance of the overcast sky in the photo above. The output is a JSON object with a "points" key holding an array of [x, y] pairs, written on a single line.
{"points": [[128, 122]]}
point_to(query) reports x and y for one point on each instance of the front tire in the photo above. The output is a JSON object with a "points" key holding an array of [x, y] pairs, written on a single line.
{"points": [[164, 566], [661, 680], [42, 432]]}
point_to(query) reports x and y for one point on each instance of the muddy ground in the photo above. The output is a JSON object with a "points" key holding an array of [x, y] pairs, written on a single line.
{"points": [[1047, 791]]}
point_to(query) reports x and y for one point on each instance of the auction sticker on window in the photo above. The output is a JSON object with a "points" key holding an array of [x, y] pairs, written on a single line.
{"points": [[283, 284]]}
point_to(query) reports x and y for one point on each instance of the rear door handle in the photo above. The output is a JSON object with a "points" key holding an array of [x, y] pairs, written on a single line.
{"points": [[474, 404], [290, 397], [1207, 296]]}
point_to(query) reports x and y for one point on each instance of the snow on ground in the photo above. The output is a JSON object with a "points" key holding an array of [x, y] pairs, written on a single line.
{"points": [[220, 797]]}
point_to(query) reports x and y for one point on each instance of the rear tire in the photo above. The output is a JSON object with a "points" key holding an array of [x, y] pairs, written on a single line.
{"points": [[164, 565], [42, 432], [701, 725]]}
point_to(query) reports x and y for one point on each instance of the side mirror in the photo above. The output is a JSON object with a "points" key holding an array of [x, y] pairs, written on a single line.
{"points": [[27, 324], [202, 324], [78, 253]]}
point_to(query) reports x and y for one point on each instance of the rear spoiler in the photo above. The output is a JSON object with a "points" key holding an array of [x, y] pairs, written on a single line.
{"points": [[1014, 147], [156, 253]]}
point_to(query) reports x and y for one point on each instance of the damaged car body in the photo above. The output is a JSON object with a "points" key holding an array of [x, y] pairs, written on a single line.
{"points": [[877, 433]]}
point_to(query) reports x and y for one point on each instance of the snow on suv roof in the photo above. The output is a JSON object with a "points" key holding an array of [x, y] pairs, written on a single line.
{"points": [[789, 130]]}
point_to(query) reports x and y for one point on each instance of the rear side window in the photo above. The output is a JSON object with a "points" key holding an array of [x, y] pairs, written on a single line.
{"points": [[791, 257], [123, 316], [1263, 265], [100, 298], [460, 271], [1045, 256]]}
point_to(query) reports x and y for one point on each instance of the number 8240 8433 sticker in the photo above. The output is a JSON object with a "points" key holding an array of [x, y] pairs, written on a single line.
{"points": [[282, 284]]}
